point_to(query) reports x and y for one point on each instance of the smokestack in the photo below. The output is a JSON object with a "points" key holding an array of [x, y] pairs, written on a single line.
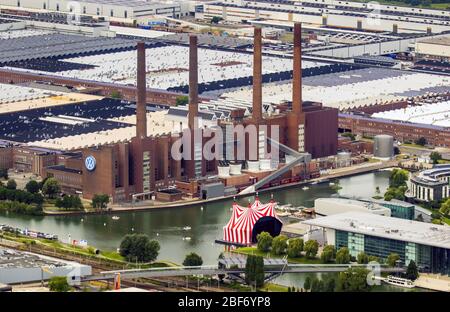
{"points": [[297, 75], [141, 98], [257, 75], [193, 81]]}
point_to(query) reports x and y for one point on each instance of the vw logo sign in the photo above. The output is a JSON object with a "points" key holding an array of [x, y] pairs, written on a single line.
{"points": [[90, 163]]}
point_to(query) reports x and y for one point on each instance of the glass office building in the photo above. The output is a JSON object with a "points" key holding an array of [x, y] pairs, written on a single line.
{"points": [[428, 245]]}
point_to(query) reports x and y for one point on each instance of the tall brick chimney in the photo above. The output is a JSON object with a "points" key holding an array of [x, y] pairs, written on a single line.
{"points": [[193, 81], [257, 75], [141, 98], [297, 75]]}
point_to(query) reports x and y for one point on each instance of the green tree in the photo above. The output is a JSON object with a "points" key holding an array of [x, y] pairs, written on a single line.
{"points": [[349, 135], [11, 184], [192, 259], [51, 187], [100, 201], [69, 202], [395, 192], [4, 173], [116, 94], [353, 280], [412, 272], [392, 259], [445, 207], [307, 283], [254, 271], [264, 241], [215, 19], [311, 248], [329, 284], [328, 254], [398, 177], [435, 157], [59, 284], [32, 187], [315, 285], [374, 259], [279, 244], [182, 100], [362, 258], [343, 256], [421, 141], [295, 247], [139, 247]]}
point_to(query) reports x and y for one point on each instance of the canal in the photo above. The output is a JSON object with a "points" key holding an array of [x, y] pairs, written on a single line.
{"points": [[166, 225]]}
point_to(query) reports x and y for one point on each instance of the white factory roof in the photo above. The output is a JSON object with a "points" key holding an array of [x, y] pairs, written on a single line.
{"points": [[351, 95], [124, 3], [20, 33], [138, 32], [387, 227], [155, 126], [168, 66], [431, 114], [15, 93]]}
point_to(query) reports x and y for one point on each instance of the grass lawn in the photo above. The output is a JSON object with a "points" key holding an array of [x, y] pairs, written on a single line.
{"points": [[414, 145], [49, 205], [270, 287], [256, 252]]}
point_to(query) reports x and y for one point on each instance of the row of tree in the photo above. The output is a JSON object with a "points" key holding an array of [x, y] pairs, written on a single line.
{"points": [[281, 245]]}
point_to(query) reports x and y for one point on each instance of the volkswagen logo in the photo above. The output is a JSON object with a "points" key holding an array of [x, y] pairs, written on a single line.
{"points": [[90, 163]]}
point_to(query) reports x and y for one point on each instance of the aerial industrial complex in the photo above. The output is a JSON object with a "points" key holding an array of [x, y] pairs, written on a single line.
{"points": [[180, 103]]}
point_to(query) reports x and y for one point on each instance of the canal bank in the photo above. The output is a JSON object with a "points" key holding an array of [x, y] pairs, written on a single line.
{"points": [[150, 205]]}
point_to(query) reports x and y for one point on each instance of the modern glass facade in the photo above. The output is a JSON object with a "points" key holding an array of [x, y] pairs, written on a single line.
{"points": [[427, 258], [397, 211]]}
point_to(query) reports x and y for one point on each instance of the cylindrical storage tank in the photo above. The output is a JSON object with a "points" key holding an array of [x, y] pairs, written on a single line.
{"points": [[264, 164], [253, 165], [223, 171], [235, 169], [383, 146]]}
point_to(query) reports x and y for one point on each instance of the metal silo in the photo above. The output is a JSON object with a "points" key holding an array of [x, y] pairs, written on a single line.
{"points": [[383, 146]]}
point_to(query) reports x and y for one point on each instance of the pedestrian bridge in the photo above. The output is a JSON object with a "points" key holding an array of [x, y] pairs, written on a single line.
{"points": [[216, 270]]}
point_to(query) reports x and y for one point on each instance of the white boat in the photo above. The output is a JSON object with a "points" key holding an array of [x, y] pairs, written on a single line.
{"points": [[187, 228], [399, 281], [305, 188], [115, 217], [186, 238]]}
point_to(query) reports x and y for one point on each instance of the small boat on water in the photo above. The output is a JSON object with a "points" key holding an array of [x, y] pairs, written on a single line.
{"points": [[305, 188], [399, 281], [115, 217], [187, 228], [187, 238]]}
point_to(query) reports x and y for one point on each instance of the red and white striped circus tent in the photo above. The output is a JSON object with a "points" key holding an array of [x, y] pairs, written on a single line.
{"points": [[243, 219]]}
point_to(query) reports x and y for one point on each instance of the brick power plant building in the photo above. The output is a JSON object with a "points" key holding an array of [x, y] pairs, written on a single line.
{"points": [[144, 166]]}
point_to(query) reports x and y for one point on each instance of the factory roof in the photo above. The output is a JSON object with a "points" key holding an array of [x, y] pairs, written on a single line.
{"points": [[445, 41], [16, 259], [432, 114], [354, 88], [125, 3], [387, 227]]}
